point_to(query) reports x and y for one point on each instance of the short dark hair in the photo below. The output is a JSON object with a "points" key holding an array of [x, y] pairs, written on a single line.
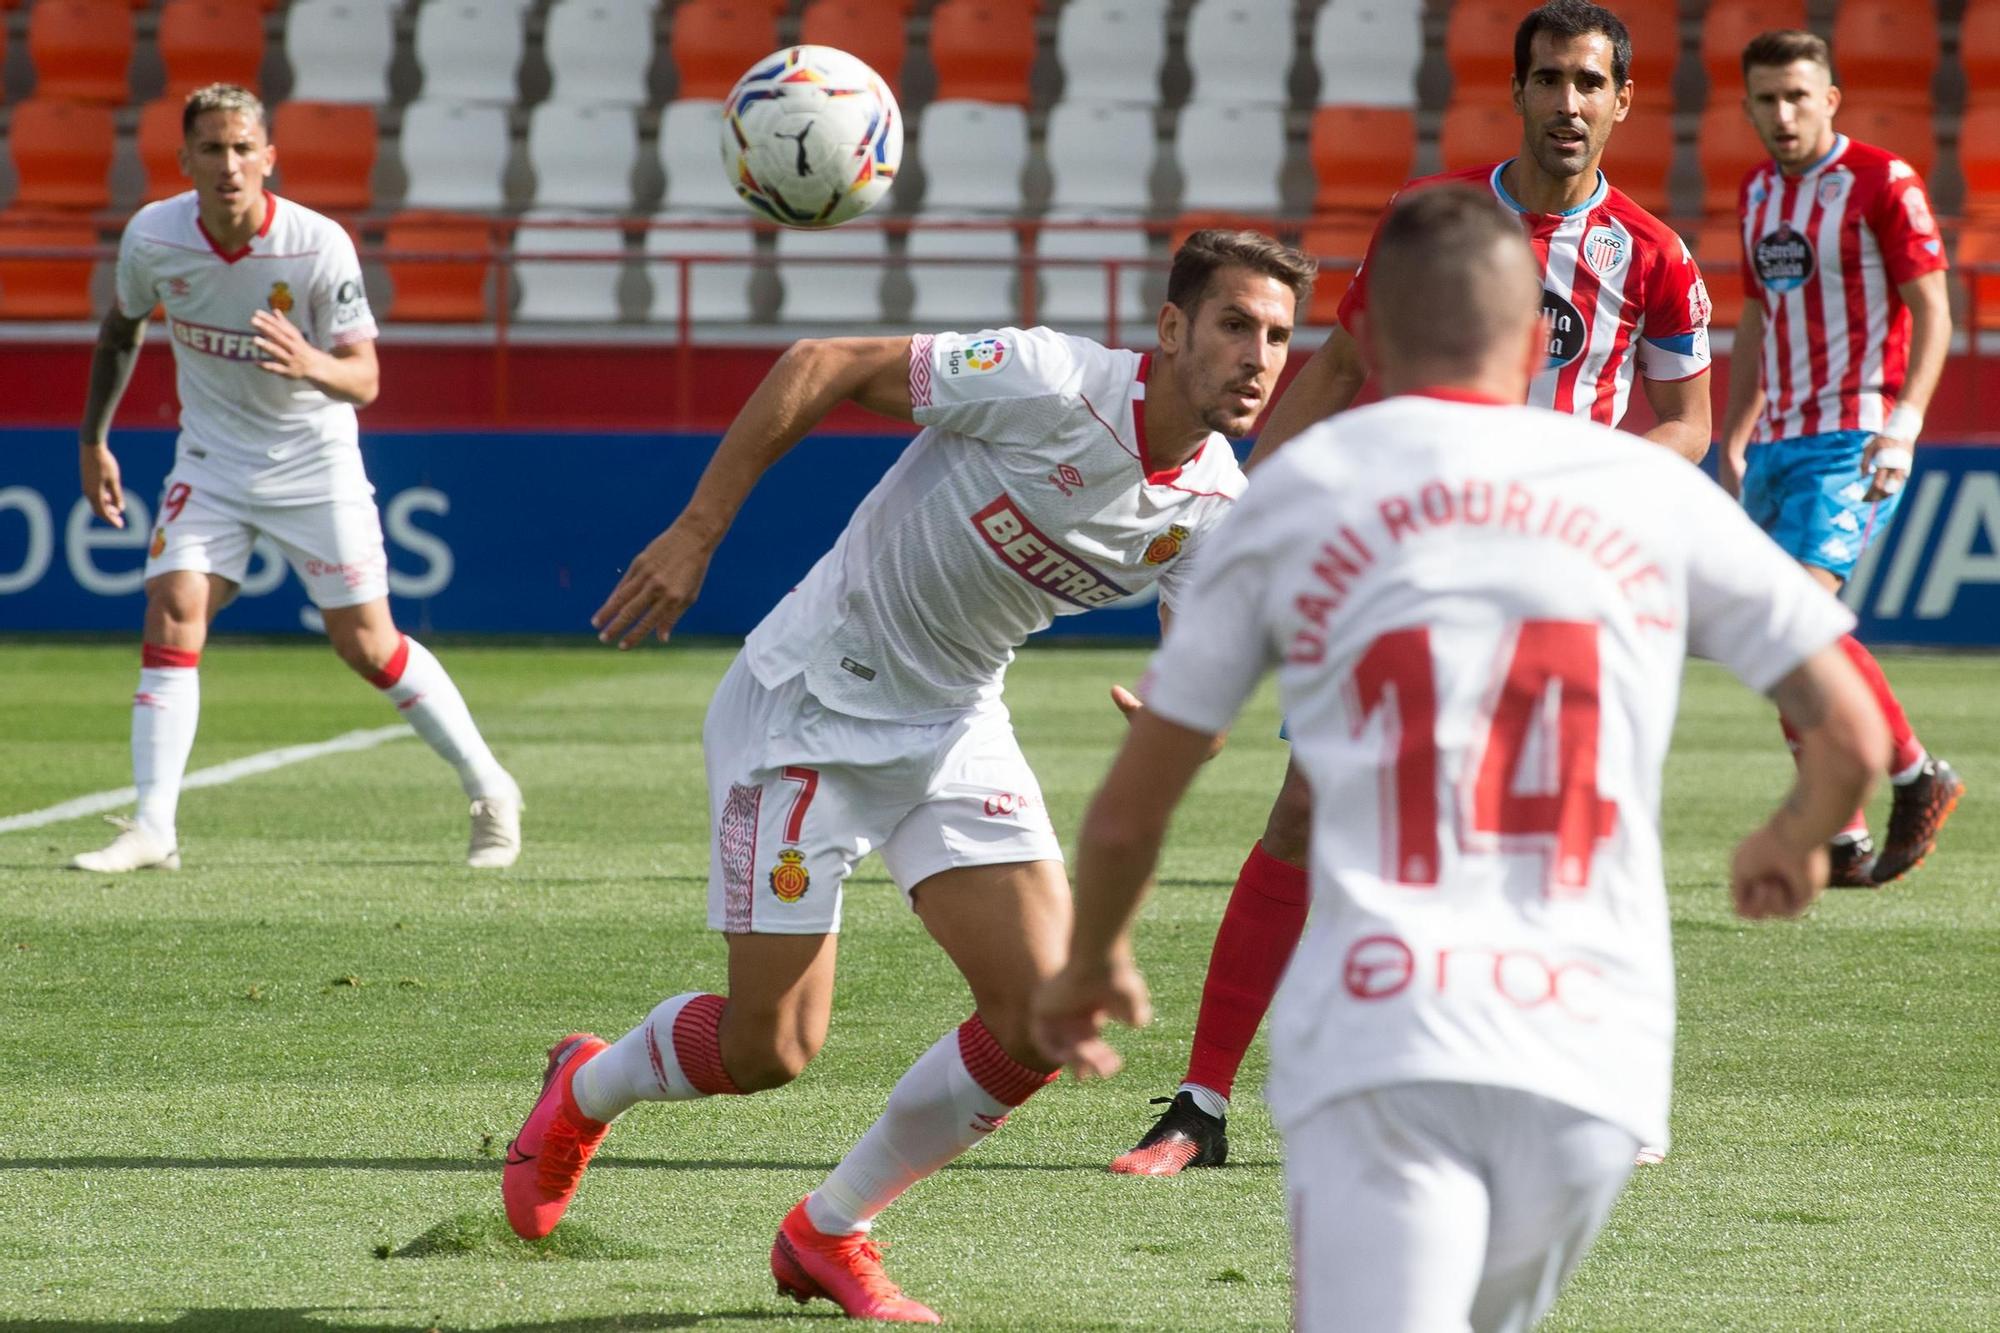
{"points": [[222, 97], [1570, 19], [1784, 46], [1212, 249], [1450, 277]]}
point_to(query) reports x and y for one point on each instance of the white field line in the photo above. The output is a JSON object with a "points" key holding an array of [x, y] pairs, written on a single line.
{"points": [[248, 766]]}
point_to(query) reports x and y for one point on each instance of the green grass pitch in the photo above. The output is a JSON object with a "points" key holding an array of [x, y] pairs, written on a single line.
{"points": [[271, 1092]]}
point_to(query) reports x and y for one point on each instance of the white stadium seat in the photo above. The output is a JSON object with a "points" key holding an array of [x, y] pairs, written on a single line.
{"points": [[599, 50], [583, 155], [455, 155], [973, 154], [340, 50], [1240, 50], [833, 293], [1112, 50], [1100, 156], [963, 296], [690, 148], [1368, 52], [470, 52], [1230, 157], [717, 292], [1075, 294], [567, 289]]}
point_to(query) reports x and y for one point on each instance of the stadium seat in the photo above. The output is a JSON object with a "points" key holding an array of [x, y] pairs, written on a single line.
{"points": [[159, 144], [1979, 46], [983, 50], [717, 291], [1240, 51], [829, 293], [973, 154], [1338, 244], [62, 153], [1082, 295], [1112, 50], [583, 155], [1368, 52], [715, 41], [1718, 249], [599, 50], [1100, 157], [210, 41], [1726, 28], [1478, 130], [1230, 157], [39, 288], [1979, 266], [326, 154], [1979, 156], [1900, 127], [81, 49], [340, 50], [455, 155], [870, 30], [567, 290], [690, 148], [1886, 51], [1655, 28], [1728, 148], [1639, 160], [963, 296], [1361, 155], [438, 291], [469, 53], [1479, 47]]}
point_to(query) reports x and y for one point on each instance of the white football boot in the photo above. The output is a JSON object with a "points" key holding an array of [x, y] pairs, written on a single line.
{"points": [[135, 848], [496, 832]]}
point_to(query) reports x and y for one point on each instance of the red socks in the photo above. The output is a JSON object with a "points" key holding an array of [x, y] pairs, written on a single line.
{"points": [[1907, 752], [1260, 928], [698, 1046]]}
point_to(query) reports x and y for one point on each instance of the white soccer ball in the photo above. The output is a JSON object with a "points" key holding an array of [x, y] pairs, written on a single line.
{"points": [[811, 137]]}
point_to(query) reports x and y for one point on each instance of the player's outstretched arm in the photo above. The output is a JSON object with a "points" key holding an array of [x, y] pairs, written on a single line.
{"points": [[1686, 421], [807, 382], [1891, 453], [1746, 398], [1328, 383], [111, 363], [1843, 743], [1117, 849]]}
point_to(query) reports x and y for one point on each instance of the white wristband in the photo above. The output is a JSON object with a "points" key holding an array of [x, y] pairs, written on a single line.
{"points": [[1894, 460], [1905, 423]]}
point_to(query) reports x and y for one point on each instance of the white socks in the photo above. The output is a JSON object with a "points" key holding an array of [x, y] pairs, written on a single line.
{"points": [[165, 712], [416, 682], [1207, 1100], [641, 1066]]}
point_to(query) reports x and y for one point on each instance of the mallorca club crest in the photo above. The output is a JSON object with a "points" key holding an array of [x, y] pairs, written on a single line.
{"points": [[789, 878], [281, 297], [159, 547], [1166, 546]]}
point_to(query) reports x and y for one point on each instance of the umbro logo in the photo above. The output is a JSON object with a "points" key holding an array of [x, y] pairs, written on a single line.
{"points": [[1066, 479]]}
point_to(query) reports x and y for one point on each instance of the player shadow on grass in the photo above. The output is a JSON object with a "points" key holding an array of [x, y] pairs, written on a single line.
{"points": [[300, 1320]]}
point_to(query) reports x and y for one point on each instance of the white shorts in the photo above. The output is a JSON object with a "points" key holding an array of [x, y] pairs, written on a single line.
{"points": [[333, 545], [798, 794], [1444, 1206]]}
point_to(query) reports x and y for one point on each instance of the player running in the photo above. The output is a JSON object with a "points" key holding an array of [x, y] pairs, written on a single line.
{"points": [[274, 348], [1478, 614], [1842, 341], [864, 713], [1624, 302]]}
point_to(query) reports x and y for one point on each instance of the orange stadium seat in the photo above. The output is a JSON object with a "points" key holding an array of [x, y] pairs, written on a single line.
{"points": [[160, 146], [1728, 148], [1727, 27], [1479, 45], [326, 154], [1901, 127], [871, 30], [1979, 45], [1361, 154], [1718, 249], [1979, 156], [211, 41], [438, 291], [1886, 50], [81, 48], [983, 49], [714, 41], [1640, 159], [62, 153], [1477, 131], [1655, 26], [1979, 269], [1338, 245], [45, 288]]}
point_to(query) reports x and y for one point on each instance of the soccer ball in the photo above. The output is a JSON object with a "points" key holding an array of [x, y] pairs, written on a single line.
{"points": [[811, 137]]}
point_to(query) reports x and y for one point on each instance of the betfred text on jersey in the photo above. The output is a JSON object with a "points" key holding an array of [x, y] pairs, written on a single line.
{"points": [[229, 344], [1040, 561]]}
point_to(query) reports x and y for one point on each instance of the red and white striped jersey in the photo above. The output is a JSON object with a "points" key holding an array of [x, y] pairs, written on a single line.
{"points": [[1620, 290], [1825, 253]]}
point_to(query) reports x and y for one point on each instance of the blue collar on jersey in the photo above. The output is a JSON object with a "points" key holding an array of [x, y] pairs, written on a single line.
{"points": [[1839, 147], [1596, 196]]}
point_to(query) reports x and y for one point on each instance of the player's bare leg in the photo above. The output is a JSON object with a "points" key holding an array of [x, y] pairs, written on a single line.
{"points": [[165, 712], [1004, 926], [366, 638], [1260, 928]]}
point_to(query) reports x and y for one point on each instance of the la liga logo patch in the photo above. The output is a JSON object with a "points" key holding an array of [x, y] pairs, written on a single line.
{"points": [[982, 356], [789, 878]]}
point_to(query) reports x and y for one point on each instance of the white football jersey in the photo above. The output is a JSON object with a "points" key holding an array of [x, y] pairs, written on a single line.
{"points": [[1027, 496], [1478, 615], [243, 428]]}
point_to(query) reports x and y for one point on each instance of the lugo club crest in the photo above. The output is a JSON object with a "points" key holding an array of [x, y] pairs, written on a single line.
{"points": [[789, 878]]}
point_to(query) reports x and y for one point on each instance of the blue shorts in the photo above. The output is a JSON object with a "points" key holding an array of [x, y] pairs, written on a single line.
{"points": [[1809, 494]]}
